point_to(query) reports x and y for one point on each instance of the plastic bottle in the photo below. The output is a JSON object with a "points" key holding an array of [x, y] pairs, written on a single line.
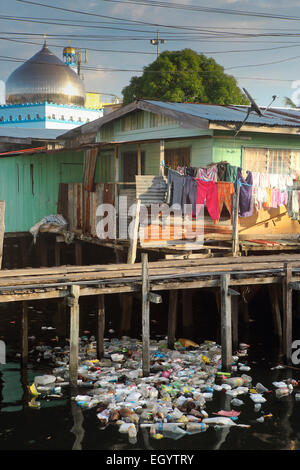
{"points": [[261, 388], [194, 428], [282, 392], [132, 434], [235, 381]]}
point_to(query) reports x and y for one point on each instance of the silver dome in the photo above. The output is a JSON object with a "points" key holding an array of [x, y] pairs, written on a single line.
{"points": [[45, 77]]}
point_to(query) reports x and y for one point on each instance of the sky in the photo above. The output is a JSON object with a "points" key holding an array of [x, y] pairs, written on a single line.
{"points": [[256, 41]]}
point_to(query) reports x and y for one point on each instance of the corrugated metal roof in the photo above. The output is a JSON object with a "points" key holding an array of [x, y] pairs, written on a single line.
{"points": [[235, 114]]}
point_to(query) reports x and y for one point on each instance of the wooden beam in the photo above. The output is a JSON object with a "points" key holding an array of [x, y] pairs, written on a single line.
{"points": [[100, 326], [235, 319], [145, 316], [287, 314], [226, 331], [24, 328], [172, 318], [74, 333]]}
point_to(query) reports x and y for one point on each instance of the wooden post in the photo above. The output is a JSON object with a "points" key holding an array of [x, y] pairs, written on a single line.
{"points": [[161, 157], [287, 313], [145, 316], [172, 318], [74, 333], [226, 332], [139, 160], [2, 229], [24, 323], [133, 237], [235, 221], [100, 326], [235, 320]]}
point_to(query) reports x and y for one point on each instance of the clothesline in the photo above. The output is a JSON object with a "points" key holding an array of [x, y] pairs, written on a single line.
{"points": [[162, 163]]}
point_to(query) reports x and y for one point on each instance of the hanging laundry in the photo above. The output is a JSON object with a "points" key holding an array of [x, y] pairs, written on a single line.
{"points": [[245, 200], [225, 192], [189, 195], [222, 167], [208, 174], [293, 204], [231, 173], [175, 187], [207, 191]]}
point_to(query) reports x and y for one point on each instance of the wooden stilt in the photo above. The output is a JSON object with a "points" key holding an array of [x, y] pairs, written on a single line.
{"points": [[100, 326], [187, 311], [287, 313], [172, 318], [145, 315], [235, 320], [274, 299], [226, 332], [24, 323], [74, 333]]}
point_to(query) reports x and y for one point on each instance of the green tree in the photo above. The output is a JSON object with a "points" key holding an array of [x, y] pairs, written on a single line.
{"points": [[184, 76]]}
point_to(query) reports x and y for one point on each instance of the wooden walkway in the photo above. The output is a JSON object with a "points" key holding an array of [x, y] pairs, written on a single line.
{"points": [[222, 274]]}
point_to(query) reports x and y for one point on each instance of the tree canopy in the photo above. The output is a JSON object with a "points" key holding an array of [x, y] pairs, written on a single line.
{"points": [[184, 76]]}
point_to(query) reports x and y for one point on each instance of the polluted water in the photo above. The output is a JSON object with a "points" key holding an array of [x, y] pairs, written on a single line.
{"points": [[186, 402]]}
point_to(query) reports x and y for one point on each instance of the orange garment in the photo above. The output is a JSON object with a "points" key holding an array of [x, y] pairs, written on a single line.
{"points": [[225, 192], [268, 202]]}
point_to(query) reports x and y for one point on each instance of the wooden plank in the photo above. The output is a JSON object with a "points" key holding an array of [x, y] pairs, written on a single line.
{"points": [[287, 314], [226, 330], [24, 329], [74, 334], [273, 259], [145, 316], [172, 318], [100, 326]]}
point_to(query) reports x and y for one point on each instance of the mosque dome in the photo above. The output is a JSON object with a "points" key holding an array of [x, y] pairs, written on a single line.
{"points": [[45, 77]]}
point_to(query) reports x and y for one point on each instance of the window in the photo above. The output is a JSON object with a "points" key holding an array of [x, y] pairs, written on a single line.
{"points": [[28, 117], [79, 119], [19, 117], [177, 157], [71, 118], [1, 118], [87, 120], [270, 160], [10, 118], [38, 116], [62, 117], [53, 116]]}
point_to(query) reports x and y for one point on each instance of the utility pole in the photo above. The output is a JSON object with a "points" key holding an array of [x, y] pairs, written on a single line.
{"points": [[157, 41]]}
